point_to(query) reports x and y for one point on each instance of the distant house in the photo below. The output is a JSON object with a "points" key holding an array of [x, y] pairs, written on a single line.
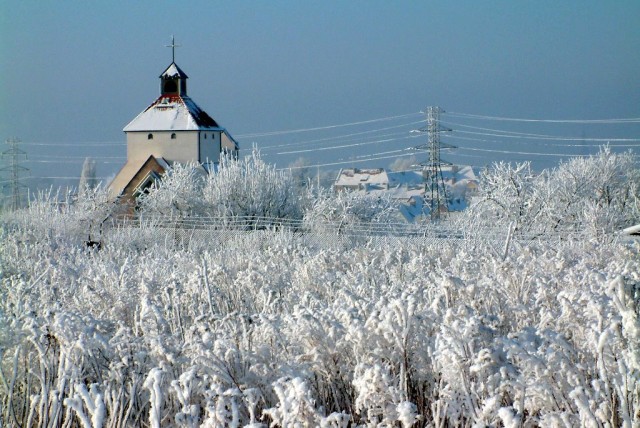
{"points": [[366, 180], [172, 129], [409, 188]]}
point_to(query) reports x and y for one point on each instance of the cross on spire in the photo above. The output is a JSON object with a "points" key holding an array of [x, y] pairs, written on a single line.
{"points": [[173, 47]]}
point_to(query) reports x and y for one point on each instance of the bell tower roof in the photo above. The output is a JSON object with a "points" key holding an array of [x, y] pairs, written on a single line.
{"points": [[173, 110], [173, 81], [173, 72]]}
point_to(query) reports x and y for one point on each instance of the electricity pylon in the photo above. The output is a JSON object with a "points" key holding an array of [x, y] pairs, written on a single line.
{"points": [[432, 168], [15, 171]]}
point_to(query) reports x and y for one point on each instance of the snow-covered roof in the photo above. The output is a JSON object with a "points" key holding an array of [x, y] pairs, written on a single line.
{"points": [[354, 177], [128, 172], [174, 71], [459, 172], [172, 113], [406, 178]]}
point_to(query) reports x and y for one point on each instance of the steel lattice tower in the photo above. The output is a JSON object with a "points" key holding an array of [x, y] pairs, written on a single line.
{"points": [[432, 169], [15, 171]]}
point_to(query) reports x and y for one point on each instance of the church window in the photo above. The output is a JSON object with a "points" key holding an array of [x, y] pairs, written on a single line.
{"points": [[173, 136], [150, 137]]}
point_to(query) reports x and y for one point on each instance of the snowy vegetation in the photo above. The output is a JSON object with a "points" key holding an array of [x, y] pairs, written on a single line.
{"points": [[262, 328], [247, 189], [598, 195]]}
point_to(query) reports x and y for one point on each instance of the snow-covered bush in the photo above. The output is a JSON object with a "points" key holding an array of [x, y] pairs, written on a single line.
{"points": [[248, 191], [177, 195], [343, 211], [600, 193], [261, 329], [250, 188], [597, 195], [56, 217], [227, 337]]}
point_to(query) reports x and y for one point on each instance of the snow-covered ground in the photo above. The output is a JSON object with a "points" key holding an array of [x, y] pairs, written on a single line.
{"points": [[265, 328]]}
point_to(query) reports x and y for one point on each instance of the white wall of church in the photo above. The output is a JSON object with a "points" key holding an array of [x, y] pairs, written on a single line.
{"points": [[184, 148], [228, 145], [210, 146]]}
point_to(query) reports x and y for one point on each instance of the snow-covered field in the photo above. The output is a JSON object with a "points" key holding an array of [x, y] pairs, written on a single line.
{"points": [[266, 329]]}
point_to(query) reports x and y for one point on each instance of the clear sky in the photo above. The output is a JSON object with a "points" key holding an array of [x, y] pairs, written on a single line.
{"points": [[74, 73]]}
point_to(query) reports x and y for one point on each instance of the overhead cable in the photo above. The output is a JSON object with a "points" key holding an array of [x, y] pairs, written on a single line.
{"points": [[546, 137], [459, 137], [293, 131], [78, 144], [515, 119], [339, 137], [521, 153], [348, 145], [348, 162]]}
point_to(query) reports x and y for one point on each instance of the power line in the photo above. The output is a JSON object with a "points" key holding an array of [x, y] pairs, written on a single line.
{"points": [[79, 144], [383, 153], [346, 145], [293, 131], [459, 137], [541, 136], [522, 153], [548, 137], [76, 157], [352, 161], [580, 121], [76, 161], [340, 137], [64, 178]]}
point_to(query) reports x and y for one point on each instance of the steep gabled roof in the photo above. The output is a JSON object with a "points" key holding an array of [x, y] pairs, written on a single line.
{"points": [[126, 177], [172, 113]]}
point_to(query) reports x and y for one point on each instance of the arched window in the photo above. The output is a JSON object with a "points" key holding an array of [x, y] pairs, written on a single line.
{"points": [[150, 137], [173, 136], [205, 136]]}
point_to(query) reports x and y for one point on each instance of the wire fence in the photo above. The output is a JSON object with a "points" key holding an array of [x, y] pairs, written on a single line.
{"points": [[323, 233]]}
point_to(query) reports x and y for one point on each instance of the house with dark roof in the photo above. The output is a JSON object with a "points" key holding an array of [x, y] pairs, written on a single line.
{"points": [[172, 129]]}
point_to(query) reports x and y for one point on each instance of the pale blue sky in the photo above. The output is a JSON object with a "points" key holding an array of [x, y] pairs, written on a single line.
{"points": [[76, 72]]}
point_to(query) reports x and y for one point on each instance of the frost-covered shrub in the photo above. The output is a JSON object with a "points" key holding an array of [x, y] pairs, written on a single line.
{"points": [[177, 194], [348, 211], [597, 195], [250, 188], [226, 337], [246, 191], [259, 328]]}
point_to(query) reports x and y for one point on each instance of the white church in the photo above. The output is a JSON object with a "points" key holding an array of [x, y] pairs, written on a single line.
{"points": [[172, 129]]}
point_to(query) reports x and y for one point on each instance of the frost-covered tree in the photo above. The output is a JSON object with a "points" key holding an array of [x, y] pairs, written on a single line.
{"points": [[342, 211], [252, 189], [597, 194], [88, 176], [301, 172], [247, 191], [177, 194], [404, 163], [508, 195], [92, 210]]}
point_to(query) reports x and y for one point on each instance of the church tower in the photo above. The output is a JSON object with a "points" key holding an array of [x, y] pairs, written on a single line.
{"points": [[172, 129], [173, 81]]}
